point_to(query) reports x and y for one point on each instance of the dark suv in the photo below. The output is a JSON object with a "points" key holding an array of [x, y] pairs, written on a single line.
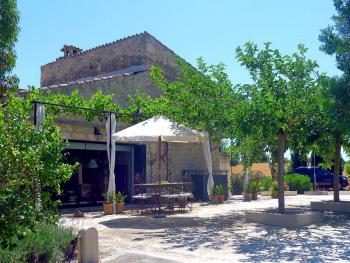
{"points": [[324, 178]]}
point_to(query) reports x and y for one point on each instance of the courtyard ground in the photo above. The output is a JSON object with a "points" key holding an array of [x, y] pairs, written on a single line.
{"points": [[219, 233]]}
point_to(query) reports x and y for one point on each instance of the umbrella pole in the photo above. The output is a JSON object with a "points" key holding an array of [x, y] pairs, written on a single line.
{"points": [[159, 168]]}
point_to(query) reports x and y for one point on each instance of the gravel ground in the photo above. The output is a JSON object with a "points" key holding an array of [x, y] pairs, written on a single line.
{"points": [[219, 233]]}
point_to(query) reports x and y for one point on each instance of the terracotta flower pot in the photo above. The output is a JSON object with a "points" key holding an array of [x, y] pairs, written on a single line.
{"points": [[119, 208], [219, 199], [108, 208], [247, 196], [255, 196], [214, 198]]}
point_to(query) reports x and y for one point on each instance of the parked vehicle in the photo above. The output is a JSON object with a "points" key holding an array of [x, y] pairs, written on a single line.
{"points": [[324, 178]]}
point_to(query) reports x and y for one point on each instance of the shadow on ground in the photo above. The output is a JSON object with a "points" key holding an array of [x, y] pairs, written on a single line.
{"points": [[327, 241], [150, 223]]}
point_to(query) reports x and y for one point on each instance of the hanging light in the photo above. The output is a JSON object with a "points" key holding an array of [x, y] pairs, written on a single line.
{"points": [[97, 133]]}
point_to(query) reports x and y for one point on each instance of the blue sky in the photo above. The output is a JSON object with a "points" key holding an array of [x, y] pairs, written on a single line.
{"points": [[192, 28]]}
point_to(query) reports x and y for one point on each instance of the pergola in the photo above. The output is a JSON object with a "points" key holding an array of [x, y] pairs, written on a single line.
{"points": [[39, 119]]}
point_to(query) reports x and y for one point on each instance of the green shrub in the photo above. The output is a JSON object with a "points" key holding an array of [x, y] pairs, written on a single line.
{"points": [[26, 154], [109, 197], [120, 197], [11, 256], [253, 186], [46, 242], [266, 183], [116, 197], [275, 186], [347, 168], [298, 182], [218, 190], [235, 184]]}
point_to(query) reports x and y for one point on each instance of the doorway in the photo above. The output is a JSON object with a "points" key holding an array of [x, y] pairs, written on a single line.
{"points": [[123, 171], [89, 183]]}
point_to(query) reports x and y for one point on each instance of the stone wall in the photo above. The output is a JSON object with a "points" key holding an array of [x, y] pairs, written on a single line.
{"points": [[141, 49], [182, 156], [120, 86]]}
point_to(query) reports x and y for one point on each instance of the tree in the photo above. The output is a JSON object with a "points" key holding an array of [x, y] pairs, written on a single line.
{"points": [[201, 98], [298, 158], [335, 40], [281, 98], [302, 142], [26, 154], [336, 109], [9, 18]]}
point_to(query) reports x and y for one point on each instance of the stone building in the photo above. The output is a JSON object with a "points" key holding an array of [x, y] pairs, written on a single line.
{"points": [[121, 68]]}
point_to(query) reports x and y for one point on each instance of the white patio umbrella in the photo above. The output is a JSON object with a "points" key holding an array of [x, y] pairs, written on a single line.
{"points": [[161, 129]]}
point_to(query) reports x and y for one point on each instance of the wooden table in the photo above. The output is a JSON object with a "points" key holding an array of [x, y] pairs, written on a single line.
{"points": [[170, 191], [172, 184]]}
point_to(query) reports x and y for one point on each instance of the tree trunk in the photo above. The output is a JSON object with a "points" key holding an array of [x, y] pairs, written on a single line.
{"points": [[336, 168], [245, 180], [272, 164], [281, 149]]}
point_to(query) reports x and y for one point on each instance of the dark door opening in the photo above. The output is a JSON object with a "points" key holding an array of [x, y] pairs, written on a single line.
{"points": [[139, 164], [89, 181], [122, 172]]}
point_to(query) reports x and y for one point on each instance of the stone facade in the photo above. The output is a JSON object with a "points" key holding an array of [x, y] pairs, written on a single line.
{"points": [[121, 86], [182, 156], [121, 68], [140, 49]]}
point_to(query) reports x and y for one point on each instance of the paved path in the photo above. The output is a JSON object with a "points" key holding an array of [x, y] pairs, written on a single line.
{"points": [[220, 233]]}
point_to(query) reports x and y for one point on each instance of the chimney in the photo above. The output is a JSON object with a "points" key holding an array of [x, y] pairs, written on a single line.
{"points": [[69, 50]]}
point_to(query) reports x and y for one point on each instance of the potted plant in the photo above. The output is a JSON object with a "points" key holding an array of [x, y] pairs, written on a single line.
{"points": [[218, 194], [254, 186], [274, 190], [108, 205], [119, 202], [247, 196]]}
